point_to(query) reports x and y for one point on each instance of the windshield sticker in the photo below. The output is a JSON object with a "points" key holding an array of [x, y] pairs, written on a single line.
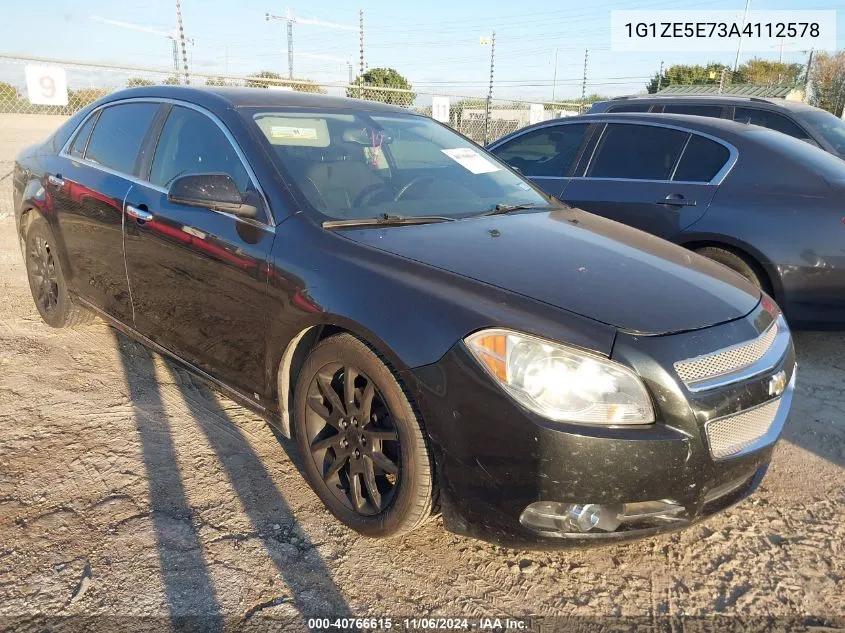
{"points": [[470, 160], [287, 131]]}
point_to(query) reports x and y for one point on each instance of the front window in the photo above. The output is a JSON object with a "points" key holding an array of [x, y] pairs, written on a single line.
{"points": [[829, 127], [355, 165]]}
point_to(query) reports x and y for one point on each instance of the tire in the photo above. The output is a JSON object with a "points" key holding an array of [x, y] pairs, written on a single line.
{"points": [[382, 503], [47, 282], [735, 263]]}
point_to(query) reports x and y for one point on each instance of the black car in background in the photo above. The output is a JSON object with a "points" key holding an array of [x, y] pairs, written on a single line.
{"points": [[764, 204], [804, 122], [438, 335]]}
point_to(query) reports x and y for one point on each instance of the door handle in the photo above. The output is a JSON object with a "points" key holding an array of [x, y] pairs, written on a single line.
{"points": [[677, 200], [138, 214], [56, 180]]}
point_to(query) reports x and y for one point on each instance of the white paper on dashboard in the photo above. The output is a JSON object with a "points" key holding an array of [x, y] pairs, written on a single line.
{"points": [[471, 160]]}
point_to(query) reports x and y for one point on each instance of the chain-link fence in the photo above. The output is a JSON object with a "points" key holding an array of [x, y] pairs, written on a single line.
{"points": [[28, 85]]}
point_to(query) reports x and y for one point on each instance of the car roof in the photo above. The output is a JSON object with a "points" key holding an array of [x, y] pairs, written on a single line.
{"points": [[711, 98], [213, 97], [725, 129]]}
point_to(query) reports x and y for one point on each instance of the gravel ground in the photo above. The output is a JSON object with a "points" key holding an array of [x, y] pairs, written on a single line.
{"points": [[129, 488]]}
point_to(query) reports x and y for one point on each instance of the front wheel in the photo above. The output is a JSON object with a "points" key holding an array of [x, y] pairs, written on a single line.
{"points": [[735, 263], [363, 446], [46, 280]]}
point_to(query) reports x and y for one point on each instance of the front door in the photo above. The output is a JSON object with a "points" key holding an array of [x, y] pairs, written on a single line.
{"points": [[654, 178], [198, 276]]}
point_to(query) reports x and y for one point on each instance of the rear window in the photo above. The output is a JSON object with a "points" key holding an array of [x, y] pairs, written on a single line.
{"points": [[630, 107], [702, 160], [77, 148], [714, 111], [118, 136], [769, 119]]}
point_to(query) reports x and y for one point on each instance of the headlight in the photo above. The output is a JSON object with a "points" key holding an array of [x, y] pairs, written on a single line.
{"points": [[559, 382]]}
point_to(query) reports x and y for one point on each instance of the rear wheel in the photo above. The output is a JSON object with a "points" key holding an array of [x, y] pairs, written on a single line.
{"points": [[736, 263], [362, 443], [47, 282]]}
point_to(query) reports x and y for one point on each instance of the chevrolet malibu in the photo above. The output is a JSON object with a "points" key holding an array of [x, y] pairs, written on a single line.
{"points": [[438, 335]]}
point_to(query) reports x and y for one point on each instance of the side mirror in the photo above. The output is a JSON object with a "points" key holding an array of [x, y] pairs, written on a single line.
{"points": [[212, 191]]}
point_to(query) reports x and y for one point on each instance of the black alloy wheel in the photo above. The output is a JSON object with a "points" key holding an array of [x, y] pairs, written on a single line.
{"points": [[43, 278], [362, 442], [47, 281], [355, 444]]}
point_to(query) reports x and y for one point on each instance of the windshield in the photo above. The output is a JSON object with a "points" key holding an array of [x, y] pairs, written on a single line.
{"points": [[831, 128], [353, 165]]}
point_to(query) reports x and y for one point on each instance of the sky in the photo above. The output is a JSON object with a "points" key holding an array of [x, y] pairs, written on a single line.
{"points": [[435, 43]]}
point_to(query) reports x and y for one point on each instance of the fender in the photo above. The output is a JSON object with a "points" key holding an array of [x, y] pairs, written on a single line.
{"points": [[319, 279]]}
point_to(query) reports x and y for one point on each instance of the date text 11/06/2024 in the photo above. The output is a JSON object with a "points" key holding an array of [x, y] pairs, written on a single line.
{"points": [[418, 624]]}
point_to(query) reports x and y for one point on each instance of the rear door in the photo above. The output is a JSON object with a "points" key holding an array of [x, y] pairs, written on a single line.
{"points": [[656, 178], [545, 155], [199, 276], [88, 188]]}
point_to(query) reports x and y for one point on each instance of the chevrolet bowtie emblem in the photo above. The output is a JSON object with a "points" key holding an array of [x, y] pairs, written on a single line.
{"points": [[777, 383]]}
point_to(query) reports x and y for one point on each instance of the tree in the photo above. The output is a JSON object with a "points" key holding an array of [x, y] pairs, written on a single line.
{"points": [[827, 82], [216, 81], [8, 92], [764, 71], [386, 78], [172, 80], [78, 99], [684, 74], [135, 82], [592, 98], [267, 78]]}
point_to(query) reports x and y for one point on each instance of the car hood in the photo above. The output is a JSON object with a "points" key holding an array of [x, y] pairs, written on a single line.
{"points": [[578, 262]]}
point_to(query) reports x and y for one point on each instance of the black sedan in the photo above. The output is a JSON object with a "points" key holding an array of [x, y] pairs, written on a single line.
{"points": [[760, 202], [438, 335]]}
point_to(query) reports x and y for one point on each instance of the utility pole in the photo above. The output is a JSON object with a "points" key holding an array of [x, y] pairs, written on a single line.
{"points": [[361, 44], [554, 78], [739, 44], [722, 76], [291, 20], [782, 41], [584, 81], [290, 44], [182, 41], [660, 77], [489, 90], [807, 76]]}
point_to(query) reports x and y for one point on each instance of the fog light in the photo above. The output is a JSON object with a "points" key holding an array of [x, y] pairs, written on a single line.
{"points": [[553, 518]]}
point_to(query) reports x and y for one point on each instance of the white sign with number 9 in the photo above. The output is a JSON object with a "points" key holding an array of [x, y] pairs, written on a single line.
{"points": [[46, 85]]}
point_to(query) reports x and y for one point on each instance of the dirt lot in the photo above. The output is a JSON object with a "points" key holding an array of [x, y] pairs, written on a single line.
{"points": [[129, 488]]}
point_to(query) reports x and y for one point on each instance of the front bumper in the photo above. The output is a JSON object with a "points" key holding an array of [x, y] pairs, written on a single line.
{"points": [[494, 458]]}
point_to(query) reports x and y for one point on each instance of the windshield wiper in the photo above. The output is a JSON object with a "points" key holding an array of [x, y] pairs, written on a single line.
{"points": [[386, 219], [501, 209]]}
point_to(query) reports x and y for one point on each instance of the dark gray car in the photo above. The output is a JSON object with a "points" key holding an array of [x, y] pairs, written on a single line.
{"points": [[796, 119], [762, 203]]}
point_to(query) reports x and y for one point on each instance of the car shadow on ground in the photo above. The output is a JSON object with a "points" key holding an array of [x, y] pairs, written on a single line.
{"points": [[189, 590], [817, 419]]}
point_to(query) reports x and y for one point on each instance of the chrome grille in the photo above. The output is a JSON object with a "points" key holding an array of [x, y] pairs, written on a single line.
{"points": [[732, 434], [728, 360]]}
